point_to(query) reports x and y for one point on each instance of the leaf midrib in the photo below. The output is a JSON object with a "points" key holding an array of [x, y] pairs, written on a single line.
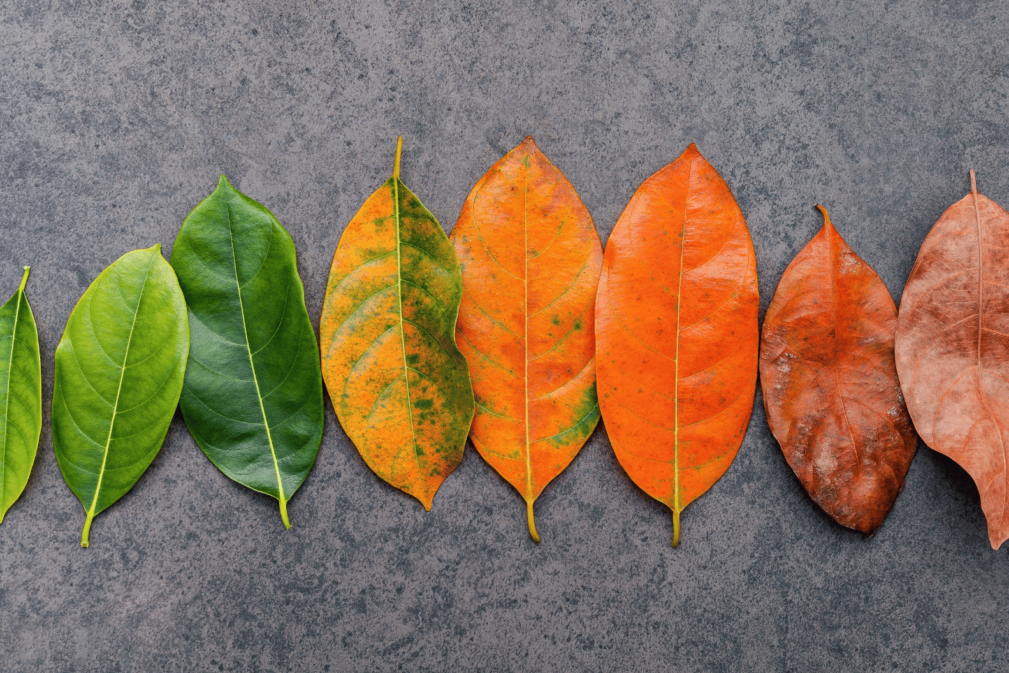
{"points": [[119, 390], [980, 329], [525, 328], [676, 368], [252, 366], [831, 244], [7, 400], [399, 296]]}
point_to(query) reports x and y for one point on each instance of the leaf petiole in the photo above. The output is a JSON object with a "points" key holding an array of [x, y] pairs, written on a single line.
{"points": [[532, 521], [87, 529], [283, 514], [399, 154]]}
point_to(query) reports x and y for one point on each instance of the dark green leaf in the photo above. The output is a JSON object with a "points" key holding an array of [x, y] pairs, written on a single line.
{"points": [[253, 392], [20, 396], [119, 373]]}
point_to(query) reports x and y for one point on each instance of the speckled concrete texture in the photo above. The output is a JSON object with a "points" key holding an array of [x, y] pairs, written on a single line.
{"points": [[116, 119]]}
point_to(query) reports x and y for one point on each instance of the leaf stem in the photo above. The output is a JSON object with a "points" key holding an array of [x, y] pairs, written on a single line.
{"points": [[532, 521], [87, 529], [826, 217], [399, 153], [676, 528], [24, 279], [283, 514]]}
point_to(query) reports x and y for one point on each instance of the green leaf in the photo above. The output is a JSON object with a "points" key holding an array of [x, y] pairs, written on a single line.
{"points": [[253, 392], [119, 373], [398, 381], [20, 396]]}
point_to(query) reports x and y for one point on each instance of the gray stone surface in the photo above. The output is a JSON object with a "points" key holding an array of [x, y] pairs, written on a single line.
{"points": [[116, 119]]}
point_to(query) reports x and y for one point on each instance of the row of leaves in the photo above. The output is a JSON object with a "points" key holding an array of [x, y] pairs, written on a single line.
{"points": [[502, 333], [222, 331]]}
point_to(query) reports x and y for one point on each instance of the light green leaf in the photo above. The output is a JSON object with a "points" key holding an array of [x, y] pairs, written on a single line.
{"points": [[119, 373], [20, 396], [253, 392]]}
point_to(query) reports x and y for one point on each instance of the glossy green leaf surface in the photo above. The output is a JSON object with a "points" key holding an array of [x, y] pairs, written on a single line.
{"points": [[253, 392], [119, 372], [20, 396]]}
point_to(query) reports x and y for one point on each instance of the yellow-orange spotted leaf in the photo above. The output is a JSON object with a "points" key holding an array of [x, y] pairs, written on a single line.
{"points": [[530, 257], [398, 383]]}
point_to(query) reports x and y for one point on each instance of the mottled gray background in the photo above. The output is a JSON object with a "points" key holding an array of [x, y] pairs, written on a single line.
{"points": [[116, 119]]}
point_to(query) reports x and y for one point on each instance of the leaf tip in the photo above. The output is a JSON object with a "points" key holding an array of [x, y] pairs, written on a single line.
{"points": [[223, 183], [691, 153], [527, 149]]}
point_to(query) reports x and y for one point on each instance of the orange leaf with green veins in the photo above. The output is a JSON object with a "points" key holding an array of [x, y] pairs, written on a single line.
{"points": [[676, 333], [398, 383], [830, 383], [530, 257]]}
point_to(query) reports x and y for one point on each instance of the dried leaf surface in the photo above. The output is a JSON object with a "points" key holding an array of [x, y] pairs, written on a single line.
{"points": [[830, 384], [952, 347], [676, 333], [398, 382], [531, 259]]}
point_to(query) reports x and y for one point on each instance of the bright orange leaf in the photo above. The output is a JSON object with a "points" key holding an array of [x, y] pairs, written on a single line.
{"points": [[530, 257], [676, 333]]}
